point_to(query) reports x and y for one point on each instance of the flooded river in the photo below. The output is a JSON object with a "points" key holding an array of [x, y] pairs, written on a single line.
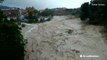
{"points": [[64, 38]]}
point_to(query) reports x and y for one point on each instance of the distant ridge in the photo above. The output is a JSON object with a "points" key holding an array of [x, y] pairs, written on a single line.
{"points": [[4, 7]]}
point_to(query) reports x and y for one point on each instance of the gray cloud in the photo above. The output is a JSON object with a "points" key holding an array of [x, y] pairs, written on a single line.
{"points": [[41, 4]]}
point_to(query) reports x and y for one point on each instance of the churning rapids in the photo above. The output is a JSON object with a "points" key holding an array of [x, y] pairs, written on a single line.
{"points": [[64, 38]]}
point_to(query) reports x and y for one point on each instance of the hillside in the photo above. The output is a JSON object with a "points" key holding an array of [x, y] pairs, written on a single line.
{"points": [[4, 7]]}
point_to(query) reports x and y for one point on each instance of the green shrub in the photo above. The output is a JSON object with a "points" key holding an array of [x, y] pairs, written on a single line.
{"points": [[11, 42]]}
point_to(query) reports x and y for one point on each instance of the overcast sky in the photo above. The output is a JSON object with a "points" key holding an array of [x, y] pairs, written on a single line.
{"points": [[42, 4]]}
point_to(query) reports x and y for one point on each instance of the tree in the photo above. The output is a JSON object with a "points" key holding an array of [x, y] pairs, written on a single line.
{"points": [[46, 12], [12, 43], [2, 17], [84, 11], [32, 14], [97, 11]]}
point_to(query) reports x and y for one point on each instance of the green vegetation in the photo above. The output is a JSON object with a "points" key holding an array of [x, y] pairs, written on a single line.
{"points": [[46, 12], [96, 12], [84, 11], [12, 43], [32, 15], [2, 17], [76, 12]]}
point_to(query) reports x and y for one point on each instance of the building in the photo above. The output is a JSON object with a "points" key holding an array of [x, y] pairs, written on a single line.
{"points": [[13, 13], [60, 11]]}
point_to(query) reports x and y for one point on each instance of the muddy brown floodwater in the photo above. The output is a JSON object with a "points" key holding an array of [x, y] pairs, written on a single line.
{"points": [[64, 39]]}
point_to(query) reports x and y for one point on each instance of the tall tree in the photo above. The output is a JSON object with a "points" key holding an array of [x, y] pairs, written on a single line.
{"points": [[32, 14], [84, 11], [99, 10], [11, 40]]}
